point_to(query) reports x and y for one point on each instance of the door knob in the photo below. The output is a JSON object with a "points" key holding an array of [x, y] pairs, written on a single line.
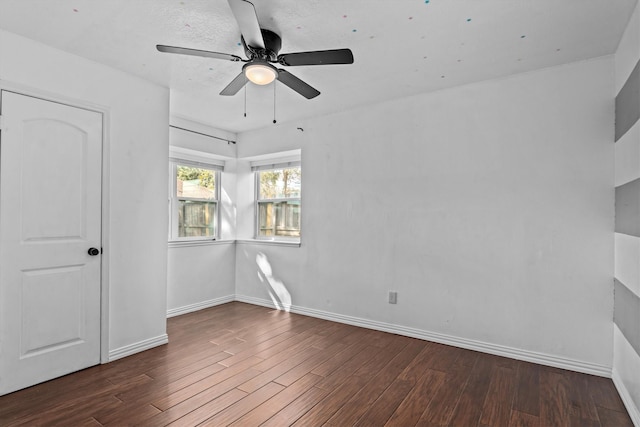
{"points": [[93, 251]]}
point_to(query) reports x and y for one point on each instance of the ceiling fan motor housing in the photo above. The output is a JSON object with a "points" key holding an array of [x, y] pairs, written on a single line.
{"points": [[272, 44]]}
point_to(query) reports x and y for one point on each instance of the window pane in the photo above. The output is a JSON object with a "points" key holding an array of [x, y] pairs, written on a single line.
{"points": [[280, 183], [196, 183], [196, 219], [279, 219]]}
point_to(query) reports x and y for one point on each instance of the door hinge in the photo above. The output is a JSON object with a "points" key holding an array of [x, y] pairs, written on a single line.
{"points": [[1, 122]]}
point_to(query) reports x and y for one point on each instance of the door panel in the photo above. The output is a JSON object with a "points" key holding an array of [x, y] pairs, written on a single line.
{"points": [[55, 171], [39, 288], [50, 215]]}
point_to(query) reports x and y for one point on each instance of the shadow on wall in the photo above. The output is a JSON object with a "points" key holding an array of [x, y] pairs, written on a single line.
{"points": [[277, 290]]}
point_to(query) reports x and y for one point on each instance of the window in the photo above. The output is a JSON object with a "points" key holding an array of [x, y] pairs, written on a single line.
{"points": [[278, 188], [194, 195]]}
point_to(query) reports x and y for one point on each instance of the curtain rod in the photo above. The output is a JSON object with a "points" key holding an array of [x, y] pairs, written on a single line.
{"points": [[228, 141]]}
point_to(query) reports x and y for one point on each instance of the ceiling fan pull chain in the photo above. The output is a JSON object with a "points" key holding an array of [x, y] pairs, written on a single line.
{"points": [[245, 101], [274, 102]]}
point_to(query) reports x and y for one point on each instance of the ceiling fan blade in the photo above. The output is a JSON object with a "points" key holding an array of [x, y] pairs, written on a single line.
{"points": [[235, 85], [247, 19], [296, 84], [196, 52], [318, 57]]}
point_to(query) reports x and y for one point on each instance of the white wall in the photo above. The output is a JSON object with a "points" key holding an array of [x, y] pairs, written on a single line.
{"points": [[200, 276], [488, 207], [204, 274], [138, 137], [626, 363]]}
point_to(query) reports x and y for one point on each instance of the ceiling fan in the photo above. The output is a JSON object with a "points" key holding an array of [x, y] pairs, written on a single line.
{"points": [[261, 47]]}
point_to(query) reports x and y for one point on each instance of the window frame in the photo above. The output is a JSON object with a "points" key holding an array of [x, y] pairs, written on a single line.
{"points": [[256, 169], [173, 201]]}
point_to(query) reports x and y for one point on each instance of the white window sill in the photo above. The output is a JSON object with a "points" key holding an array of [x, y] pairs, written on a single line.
{"points": [[187, 243], [290, 243], [190, 243]]}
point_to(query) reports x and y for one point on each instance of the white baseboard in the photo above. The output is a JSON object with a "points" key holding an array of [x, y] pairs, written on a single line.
{"points": [[632, 409], [199, 306], [259, 301], [137, 347], [496, 349]]}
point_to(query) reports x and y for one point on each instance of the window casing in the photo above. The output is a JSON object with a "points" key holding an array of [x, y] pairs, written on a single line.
{"points": [[194, 194], [278, 201]]}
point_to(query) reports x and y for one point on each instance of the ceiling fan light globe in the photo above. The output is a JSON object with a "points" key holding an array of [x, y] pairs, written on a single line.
{"points": [[260, 74]]}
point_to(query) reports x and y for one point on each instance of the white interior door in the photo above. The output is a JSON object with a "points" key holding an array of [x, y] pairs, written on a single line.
{"points": [[50, 216]]}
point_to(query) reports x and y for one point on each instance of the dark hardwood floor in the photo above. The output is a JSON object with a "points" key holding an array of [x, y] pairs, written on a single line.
{"points": [[242, 365]]}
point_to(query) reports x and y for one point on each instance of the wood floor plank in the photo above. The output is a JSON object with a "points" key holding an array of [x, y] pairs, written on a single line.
{"points": [[528, 389], [523, 419], [331, 365], [173, 398], [150, 391], [379, 360], [207, 410], [356, 335], [611, 418], [499, 399], [430, 352], [414, 404], [47, 396], [324, 409], [386, 404], [290, 326], [300, 406], [604, 394], [270, 407], [575, 420], [82, 406], [358, 404], [250, 349], [186, 366], [89, 422], [445, 399], [554, 399], [467, 358], [202, 398], [342, 334], [242, 406], [293, 375], [78, 385], [274, 372], [448, 357], [273, 324], [249, 365], [279, 352], [126, 414], [469, 407], [338, 376], [69, 414], [583, 408], [381, 340]]}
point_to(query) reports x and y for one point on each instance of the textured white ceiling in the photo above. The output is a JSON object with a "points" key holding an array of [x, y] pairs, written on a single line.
{"points": [[401, 47]]}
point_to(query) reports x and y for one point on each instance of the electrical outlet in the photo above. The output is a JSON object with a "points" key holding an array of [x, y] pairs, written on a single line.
{"points": [[393, 297]]}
